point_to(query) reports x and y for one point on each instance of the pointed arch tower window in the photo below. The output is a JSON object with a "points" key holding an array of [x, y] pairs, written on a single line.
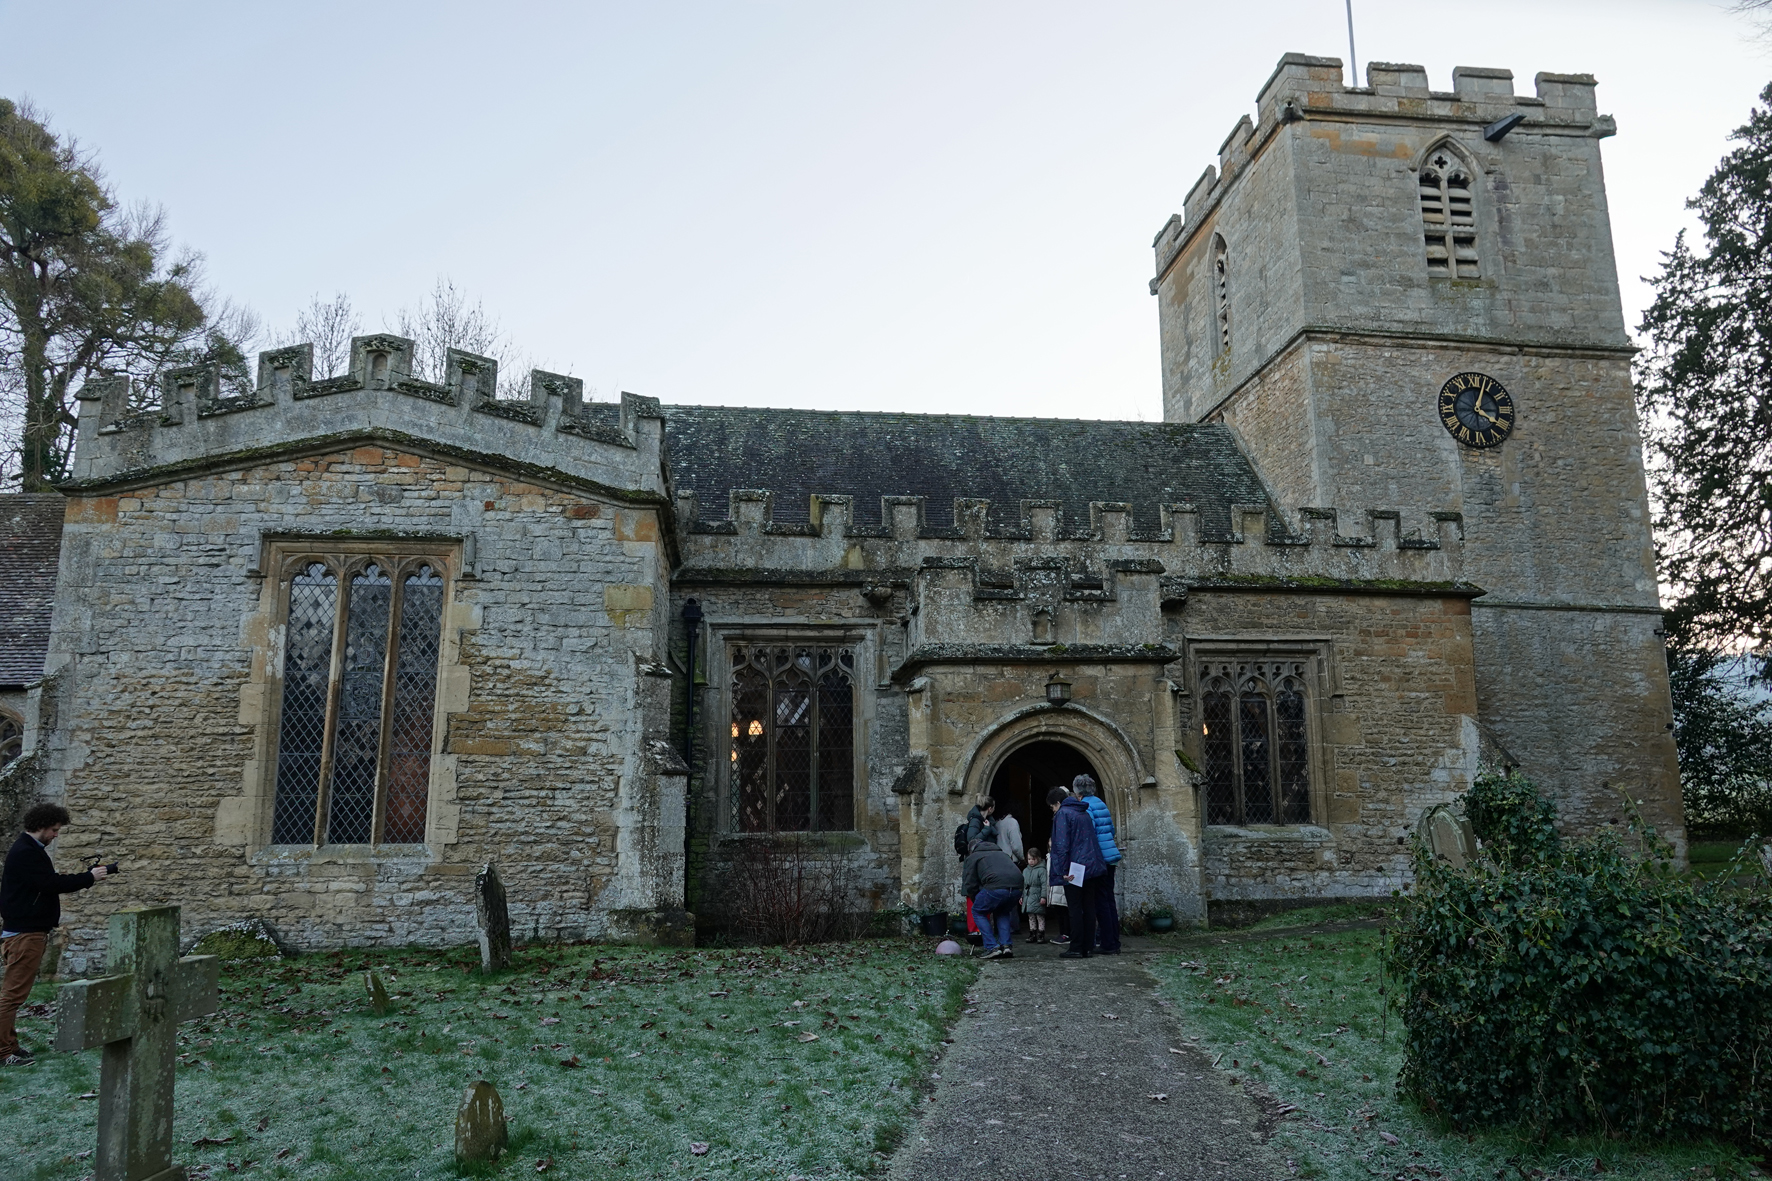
{"points": [[1221, 295], [1448, 216]]}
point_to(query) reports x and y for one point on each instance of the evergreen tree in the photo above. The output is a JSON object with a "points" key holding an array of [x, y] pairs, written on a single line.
{"points": [[86, 288], [1703, 389]]}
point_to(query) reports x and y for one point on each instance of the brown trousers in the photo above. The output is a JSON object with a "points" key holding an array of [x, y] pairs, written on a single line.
{"points": [[21, 955]]}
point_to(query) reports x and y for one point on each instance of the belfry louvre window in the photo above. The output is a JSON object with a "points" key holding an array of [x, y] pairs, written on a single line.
{"points": [[1255, 737], [360, 656], [793, 738], [1448, 218]]}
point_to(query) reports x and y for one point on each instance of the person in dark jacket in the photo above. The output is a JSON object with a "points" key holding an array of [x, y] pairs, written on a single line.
{"points": [[1073, 840], [30, 908], [981, 822], [1107, 910], [992, 883]]}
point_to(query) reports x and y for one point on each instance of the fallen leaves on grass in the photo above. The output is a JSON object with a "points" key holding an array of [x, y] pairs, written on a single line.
{"points": [[807, 1037], [1159, 1097], [203, 1140], [697, 1148]]}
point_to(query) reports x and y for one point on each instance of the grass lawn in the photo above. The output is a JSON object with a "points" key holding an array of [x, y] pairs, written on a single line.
{"points": [[1295, 1014], [1711, 859], [611, 1062]]}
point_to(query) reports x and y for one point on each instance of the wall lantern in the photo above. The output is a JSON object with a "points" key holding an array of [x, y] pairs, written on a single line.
{"points": [[1058, 691]]}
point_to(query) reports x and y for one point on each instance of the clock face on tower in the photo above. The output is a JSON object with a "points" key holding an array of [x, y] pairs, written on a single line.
{"points": [[1476, 410]]}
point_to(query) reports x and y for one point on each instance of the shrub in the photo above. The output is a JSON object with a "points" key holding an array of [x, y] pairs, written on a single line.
{"points": [[784, 889], [1582, 985], [1511, 818]]}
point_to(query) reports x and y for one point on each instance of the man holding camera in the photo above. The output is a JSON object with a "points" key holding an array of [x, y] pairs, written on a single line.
{"points": [[30, 908]]}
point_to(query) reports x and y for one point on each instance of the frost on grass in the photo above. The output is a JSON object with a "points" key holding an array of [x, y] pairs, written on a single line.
{"points": [[611, 1061], [1297, 1017]]}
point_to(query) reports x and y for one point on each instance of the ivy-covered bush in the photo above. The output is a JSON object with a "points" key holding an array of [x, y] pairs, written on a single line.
{"points": [[1583, 985]]}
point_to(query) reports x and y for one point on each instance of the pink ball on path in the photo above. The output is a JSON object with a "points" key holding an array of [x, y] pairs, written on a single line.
{"points": [[948, 947]]}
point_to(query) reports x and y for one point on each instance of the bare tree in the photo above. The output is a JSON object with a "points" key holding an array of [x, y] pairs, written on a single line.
{"points": [[328, 325]]}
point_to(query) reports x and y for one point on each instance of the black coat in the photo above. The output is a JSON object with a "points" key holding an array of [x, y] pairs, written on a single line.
{"points": [[31, 890]]}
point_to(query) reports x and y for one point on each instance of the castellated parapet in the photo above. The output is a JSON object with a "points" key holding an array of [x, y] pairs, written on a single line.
{"points": [[197, 425]]}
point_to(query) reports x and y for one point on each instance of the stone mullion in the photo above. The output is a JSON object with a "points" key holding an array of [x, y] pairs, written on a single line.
{"points": [[334, 689], [1274, 761], [769, 767], [813, 705], [1239, 806], [390, 663]]}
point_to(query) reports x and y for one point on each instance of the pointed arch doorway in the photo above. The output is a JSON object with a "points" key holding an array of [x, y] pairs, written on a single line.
{"points": [[1025, 776]]}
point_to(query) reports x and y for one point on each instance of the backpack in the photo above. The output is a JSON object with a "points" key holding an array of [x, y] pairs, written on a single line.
{"points": [[960, 840]]}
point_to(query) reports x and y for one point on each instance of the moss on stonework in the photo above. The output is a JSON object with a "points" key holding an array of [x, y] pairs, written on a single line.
{"points": [[1401, 586], [249, 939]]}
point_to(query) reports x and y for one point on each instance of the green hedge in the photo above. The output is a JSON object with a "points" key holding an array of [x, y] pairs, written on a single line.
{"points": [[1582, 985]]}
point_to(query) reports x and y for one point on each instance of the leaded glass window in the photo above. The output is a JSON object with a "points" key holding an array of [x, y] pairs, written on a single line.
{"points": [[1254, 735], [792, 761], [361, 643], [1448, 217], [12, 738]]}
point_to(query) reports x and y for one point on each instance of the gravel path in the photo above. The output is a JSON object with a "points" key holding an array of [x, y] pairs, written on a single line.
{"points": [[1042, 1084]]}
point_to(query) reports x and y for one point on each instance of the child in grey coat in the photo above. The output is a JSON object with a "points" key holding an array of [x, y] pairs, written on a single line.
{"points": [[1033, 896]]}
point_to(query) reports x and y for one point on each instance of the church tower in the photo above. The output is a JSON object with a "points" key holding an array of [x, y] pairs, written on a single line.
{"points": [[1403, 297]]}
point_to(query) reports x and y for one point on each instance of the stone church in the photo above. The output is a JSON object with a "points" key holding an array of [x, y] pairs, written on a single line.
{"points": [[313, 652]]}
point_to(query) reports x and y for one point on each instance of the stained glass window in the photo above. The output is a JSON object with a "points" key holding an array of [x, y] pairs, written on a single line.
{"points": [[359, 695], [1256, 744], [792, 760]]}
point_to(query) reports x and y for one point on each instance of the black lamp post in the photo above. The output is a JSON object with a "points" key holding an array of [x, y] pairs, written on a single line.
{"points": [[1058, 691], [691, 628]]}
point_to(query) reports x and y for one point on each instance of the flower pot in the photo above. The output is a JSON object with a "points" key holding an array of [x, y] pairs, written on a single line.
{"points": [[1160, 923], [935, 924]]}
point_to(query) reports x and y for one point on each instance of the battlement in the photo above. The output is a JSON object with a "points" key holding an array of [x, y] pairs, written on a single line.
{"points": [[198, 420], [1304, 89], [1263, 544], [751, 511]]}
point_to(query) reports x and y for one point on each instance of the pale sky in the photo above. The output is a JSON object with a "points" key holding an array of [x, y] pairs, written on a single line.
{"points": [[941, 207]]}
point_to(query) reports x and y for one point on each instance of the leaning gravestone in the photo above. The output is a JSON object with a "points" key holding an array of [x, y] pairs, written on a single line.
{"points": [[1450, 837], [495, 920], [480, 1124], [378, 993], [134, 1013]]}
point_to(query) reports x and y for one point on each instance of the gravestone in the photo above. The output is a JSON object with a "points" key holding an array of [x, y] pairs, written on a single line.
{"points": [[495, 920], [134, 1013], [480, 1124], [1450, 837], [378, 994]]}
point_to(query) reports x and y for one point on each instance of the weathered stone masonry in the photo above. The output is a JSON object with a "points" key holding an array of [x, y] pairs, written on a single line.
{"points": [[1354, 248]]}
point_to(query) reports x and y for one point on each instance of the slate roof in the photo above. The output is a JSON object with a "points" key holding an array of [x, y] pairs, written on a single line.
{"points": [[30, 549], [795, 453]]}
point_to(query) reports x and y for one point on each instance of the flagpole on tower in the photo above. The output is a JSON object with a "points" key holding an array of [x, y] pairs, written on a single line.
{"points": [[1353, 63]]}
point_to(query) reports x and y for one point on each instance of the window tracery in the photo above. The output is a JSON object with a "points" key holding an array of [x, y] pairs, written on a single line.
{"points": [[792, 759], [12, 738], [1255, 738], [1448, 217], [361, 644]]}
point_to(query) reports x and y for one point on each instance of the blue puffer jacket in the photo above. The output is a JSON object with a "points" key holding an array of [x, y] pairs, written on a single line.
{"points": [[1104, 829], [1073, 839]]}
